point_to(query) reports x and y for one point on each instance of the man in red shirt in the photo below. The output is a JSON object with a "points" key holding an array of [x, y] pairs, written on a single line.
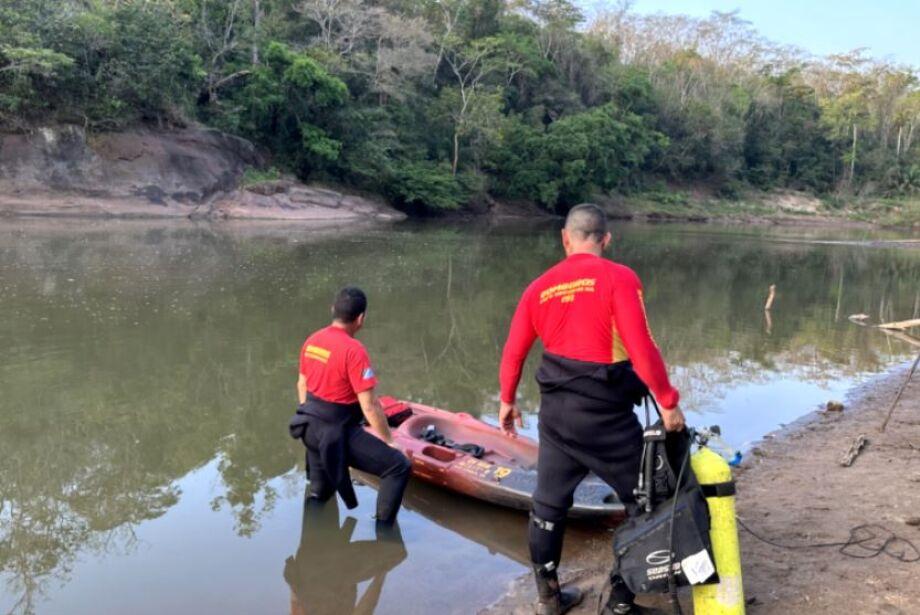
{"points": [[335, 389], [599, 361]]}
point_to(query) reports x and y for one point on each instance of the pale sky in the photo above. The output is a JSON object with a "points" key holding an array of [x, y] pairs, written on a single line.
{"points": [[890, 29]]}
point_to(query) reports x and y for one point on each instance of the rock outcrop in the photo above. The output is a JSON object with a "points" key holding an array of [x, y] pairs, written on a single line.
{"points": [[192, 172], [292, 200]]}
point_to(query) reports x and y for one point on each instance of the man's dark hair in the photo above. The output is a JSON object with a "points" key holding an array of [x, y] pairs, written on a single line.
{"points": [[587, 220], [350, 302]]}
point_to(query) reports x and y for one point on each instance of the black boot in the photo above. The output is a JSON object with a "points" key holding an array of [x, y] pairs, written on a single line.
{"points": [[621, 600], [553, 599], [614, 607], [626, 608]]}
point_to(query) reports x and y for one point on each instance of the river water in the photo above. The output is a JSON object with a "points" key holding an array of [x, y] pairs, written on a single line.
{"points": [[148, 372]]}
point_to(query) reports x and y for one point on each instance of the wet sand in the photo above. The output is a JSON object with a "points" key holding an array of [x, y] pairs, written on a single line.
{"points": [[793, 491]]}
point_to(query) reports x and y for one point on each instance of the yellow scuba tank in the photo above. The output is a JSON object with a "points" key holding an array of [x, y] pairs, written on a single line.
{"points": [[715, 477]]}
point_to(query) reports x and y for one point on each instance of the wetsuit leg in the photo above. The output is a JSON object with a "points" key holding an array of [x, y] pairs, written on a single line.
{"points": [[558, 474], [321, 487], [621, 473], [369, 454]]}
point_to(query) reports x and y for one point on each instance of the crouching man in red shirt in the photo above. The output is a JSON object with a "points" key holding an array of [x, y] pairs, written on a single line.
{"points": [[335, 389], [599, 361]]}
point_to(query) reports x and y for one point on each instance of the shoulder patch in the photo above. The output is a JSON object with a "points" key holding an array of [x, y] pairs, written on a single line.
{"points": [[317, 353], [368, 373]]}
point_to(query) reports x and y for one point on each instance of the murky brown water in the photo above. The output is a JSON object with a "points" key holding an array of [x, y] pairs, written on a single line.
{"points": [[148, 371]]}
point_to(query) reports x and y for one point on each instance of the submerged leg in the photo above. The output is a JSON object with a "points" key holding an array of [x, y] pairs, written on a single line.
{"points": [[369, 454], [320, 488]]}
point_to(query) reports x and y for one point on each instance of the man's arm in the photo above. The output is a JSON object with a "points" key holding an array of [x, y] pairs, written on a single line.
{"points": [[521, 337], [632, 326], [373, 412], [301, 389]]}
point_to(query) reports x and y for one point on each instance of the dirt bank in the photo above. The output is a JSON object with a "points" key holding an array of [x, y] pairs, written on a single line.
{"points": [[792, 490], [703, 202], [185, 173]]}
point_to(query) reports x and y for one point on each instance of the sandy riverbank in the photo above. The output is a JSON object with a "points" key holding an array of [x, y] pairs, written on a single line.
{"points": [[792, 490]]}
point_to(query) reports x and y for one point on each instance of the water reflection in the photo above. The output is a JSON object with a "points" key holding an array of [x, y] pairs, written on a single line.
{"points": [[135, 355], [499, 530], [325, 573]]}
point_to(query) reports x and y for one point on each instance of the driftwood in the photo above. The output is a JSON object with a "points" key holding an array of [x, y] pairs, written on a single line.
{"points": [[900, 335], [901, 324], [897, 398], [850, 456], [896, 330], [770, 297], [891, 329]]}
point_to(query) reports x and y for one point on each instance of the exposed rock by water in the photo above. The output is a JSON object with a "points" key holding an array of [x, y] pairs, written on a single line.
{"points": [[285, 199], [192, 172]]}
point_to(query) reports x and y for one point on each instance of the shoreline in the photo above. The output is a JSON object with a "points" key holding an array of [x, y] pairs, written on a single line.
{"points": [[792, 490], [80, 207], [195, 172], [306, 205]]}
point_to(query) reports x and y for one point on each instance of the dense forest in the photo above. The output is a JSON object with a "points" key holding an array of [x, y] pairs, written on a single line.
{"points": [[440, 103]]}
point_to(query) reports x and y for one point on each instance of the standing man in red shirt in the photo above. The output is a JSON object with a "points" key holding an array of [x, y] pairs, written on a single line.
{"points": [[599, 361], [335, 389]]}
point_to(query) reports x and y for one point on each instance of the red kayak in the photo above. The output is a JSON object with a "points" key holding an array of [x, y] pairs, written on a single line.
{"points": [[461, 453]]}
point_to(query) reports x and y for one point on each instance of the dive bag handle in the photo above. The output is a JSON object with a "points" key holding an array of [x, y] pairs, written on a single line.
{"points": [[652, 437], [648, 415]]}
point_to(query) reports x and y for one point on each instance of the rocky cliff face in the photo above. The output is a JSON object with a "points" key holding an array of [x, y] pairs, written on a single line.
{"points": [[183, 173]]}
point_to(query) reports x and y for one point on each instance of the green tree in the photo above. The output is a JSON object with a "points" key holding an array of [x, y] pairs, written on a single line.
{"points": [[784, 142], [601, 149], [283, 105]]}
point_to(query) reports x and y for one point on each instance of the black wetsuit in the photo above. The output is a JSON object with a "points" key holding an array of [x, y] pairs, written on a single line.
{"points": [[335, 441], [586, 424], [590, 315]]}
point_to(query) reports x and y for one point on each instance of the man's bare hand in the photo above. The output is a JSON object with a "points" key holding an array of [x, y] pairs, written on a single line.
{"points": [[508, 417], [673, 419]]}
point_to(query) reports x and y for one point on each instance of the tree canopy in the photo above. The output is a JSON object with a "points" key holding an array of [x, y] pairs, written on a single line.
{"points": [[438, 103]]}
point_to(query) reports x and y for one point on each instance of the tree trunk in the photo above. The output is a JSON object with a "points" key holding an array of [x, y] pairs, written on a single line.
{"points": [[898, 152], [256, 20], [853, 156], [456, 160]]}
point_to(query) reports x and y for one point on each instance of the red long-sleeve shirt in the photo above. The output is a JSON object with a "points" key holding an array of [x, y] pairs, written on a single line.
{"points": [[586, 308]]}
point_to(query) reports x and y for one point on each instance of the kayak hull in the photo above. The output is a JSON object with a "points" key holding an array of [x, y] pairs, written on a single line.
{"points": [[505, 474]]}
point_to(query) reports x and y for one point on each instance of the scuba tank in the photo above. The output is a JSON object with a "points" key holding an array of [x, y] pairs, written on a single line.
{"points": [[685, 532], [667, 545], [715, 478]]}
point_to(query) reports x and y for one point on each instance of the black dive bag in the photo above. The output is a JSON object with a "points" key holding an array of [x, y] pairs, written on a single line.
{"points": [[672, 529]]}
